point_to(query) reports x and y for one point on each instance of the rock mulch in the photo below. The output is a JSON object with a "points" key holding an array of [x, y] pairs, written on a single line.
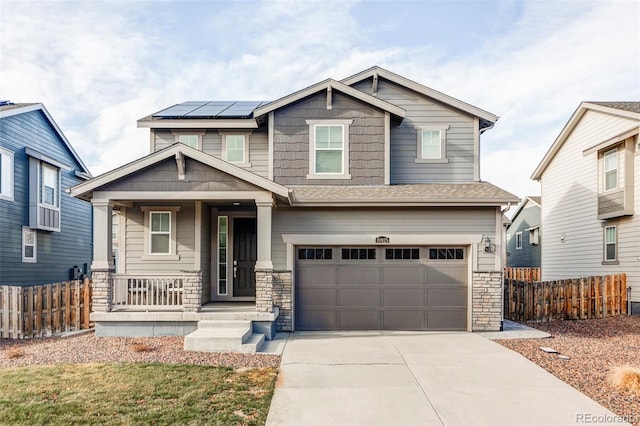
{"points": [[594, 347], [87, 348]]}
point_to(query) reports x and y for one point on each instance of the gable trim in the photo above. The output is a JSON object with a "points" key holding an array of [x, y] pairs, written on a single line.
{"points": [[172, 151], [329, 85], [377, 72]]}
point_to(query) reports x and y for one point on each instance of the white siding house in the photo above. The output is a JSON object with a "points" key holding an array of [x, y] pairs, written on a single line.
{"points": [[590, 182]]}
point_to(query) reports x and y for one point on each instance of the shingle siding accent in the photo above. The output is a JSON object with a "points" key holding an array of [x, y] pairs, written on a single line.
{"points": [[487, 301], [366, 140]]}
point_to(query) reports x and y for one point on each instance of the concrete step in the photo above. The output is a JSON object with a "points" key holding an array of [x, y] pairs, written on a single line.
{"points": [[223, 336]]}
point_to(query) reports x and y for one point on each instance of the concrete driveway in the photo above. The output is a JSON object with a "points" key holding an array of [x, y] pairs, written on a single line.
{"points": [[418, 378]]}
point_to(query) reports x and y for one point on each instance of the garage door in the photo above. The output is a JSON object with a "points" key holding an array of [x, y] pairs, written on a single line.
{"points": [[381, 288]]}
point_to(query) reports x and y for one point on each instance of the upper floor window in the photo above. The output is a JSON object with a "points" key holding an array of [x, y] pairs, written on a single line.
{"points": [[192, 138], [432, 147], [6, 175], [518, 240], [235, 148], [50, 185], [329, 149], [611, 169], [610, 243], [45, 183]]}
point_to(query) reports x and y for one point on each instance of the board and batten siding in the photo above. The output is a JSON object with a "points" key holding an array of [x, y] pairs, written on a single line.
{"points": [[570, 208], [291, 140], [185, 236], [420, 111], [212, 145], [529, 255], [408, 221], [57, 252]]}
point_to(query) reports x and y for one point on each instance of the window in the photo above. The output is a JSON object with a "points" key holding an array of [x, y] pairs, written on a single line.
{"points": [[402, 254], [358, 254], [610, 243], [315, 253], [432, 144], [29, 245], [446, 253], [192, 138], [329, 149], [223, 232], [518, 240], [114, 231], [160, 243], [611, 169], [534, 236], [6, 175], [235, 148], [50, 184]]}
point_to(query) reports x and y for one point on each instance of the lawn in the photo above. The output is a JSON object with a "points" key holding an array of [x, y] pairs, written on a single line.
{"points": [[135, 393]]}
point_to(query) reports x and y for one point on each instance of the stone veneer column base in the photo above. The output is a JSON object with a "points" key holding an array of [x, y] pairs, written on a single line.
{"points": [[264, 290], [102, 291], [487, 301], [283, 298], [192, 291]]}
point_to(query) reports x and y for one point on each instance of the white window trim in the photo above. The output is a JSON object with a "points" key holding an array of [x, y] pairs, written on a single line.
{"points": [[226, 263], [615, 243], [6, 191], [173, 243], [56, 189], [534, 236], [247, 151], [199, 133], [614, 152], [442, 128], [345, 149], [518, 239], [25, 259]]}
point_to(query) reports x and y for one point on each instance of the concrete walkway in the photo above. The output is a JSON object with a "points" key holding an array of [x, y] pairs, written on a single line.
{"points": [[418, 378]]}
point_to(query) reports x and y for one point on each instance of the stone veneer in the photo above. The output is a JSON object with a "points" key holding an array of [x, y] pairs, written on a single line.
{"points": [[101, 292], [264, 290], [191, 291], [282, 297], [487, 301]]}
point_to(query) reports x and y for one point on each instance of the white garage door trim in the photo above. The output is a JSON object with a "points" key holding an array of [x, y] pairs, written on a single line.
{"points": [[471, 241]]}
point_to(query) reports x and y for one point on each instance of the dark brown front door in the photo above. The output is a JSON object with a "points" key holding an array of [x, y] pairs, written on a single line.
{"points": [[245, 249]]}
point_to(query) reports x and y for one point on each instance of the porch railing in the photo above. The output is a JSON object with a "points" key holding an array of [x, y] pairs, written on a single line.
{"points": [[146, 290]]}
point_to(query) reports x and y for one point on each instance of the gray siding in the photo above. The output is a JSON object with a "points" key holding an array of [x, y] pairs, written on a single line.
{"points": [[409, 221], [57, 252], [366, 140], [529, 255], [163, 176], [421, 110], [212, 145]]}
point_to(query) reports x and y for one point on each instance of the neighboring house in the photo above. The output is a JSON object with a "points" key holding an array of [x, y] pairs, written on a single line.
{"points": [[523, 235], [45, 233], [591, 189], [353, 204]]}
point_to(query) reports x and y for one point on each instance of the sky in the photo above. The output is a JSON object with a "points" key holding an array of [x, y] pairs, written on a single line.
{"points": [[99, 66]]}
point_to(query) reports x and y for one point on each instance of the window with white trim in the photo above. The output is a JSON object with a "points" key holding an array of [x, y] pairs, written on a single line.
{"points": [[223, 246], [518, 240], [114, 230], [160, 233], [50, 184], [6, 175], [610, 169], [192, 138], [432, 147], [160, 224], [610, 243], [235, 148], [29, 245], [329, 149]]}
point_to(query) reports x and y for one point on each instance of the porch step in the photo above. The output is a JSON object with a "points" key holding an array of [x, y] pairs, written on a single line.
{"points": [[223, 336]]}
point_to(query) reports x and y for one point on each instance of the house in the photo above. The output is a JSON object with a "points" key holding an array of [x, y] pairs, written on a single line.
{"points": [[353, 204], [591, 189], [523, 235], [45, 233]]}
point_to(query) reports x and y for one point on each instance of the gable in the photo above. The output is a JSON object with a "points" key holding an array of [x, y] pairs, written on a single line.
{"points": [[163, 176]]}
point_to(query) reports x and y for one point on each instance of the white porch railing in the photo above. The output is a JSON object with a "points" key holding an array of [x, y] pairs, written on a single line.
{"points": [[145, 290]]}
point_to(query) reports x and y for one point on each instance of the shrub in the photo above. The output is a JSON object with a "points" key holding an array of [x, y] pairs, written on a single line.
{"points": [[14, 352], [141, 347], [626, 377]]}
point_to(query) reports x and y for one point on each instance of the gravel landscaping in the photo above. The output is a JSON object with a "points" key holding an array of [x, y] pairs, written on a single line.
{"points": [[594, 347], [87, 348]]}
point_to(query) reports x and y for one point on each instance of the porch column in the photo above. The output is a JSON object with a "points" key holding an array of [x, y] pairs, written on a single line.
{"points": [[264, 265], [102, 264]]}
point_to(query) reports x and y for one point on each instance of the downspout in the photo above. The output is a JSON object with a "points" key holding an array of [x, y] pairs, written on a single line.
{"points": [[502, 212], [629, 301]]}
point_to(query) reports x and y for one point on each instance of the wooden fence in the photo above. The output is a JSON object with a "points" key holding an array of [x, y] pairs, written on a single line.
{"points": [[44, 309], [522, 274], [580, 298]]}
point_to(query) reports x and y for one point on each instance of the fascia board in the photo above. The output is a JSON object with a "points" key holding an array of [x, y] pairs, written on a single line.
{"points": [[241, 123]]}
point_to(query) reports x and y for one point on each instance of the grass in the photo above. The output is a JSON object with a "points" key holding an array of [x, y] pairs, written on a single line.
{"points": [[135, 393]]}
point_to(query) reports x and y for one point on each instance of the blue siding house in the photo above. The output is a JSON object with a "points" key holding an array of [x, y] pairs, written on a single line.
{"points": [[524, 240], [45, 234]]}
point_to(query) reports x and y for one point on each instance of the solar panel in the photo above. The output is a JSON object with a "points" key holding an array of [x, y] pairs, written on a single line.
{"points": [[212, 109], [179, 110], [240, 109]]}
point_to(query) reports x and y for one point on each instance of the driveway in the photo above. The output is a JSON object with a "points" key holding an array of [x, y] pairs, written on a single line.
{"points": [[418, 378]]}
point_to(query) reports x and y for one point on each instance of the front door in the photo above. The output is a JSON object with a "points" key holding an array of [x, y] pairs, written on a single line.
{"points": [[245, 253]]}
